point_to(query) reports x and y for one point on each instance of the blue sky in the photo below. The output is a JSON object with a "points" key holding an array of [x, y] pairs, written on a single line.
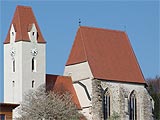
{"points": [[58, 22]]}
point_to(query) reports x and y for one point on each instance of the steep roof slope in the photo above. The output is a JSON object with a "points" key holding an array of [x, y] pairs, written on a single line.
{"points": [[62, 84], [22, 20], [109, 54]]}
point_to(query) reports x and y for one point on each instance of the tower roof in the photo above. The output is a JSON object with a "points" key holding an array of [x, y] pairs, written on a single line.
{"points": [[109, 54], [22, 20]]}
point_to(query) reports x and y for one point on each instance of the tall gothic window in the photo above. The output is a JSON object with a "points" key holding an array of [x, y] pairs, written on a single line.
{"points": [[133, 106], [106, 104], [33, 65]]}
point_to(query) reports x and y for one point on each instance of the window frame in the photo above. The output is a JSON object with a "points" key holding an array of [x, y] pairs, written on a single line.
{"points": [[133, 106], [106, 103], [33, 64]]}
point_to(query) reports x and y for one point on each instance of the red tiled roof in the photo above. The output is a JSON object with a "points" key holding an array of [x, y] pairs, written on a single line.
{"points": [[22, 20], [109, 54], [62, 84]]}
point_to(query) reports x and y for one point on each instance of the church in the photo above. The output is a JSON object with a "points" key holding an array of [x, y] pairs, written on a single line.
{"points": [[101, 73]]}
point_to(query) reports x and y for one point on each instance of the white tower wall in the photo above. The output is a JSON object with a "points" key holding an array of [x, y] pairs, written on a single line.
{"points": [[12, 91], [38, 76], [23, 75]]}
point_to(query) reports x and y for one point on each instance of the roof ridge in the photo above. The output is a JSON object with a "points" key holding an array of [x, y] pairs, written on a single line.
{"points": [[90, 27], [23, 6], [85, 52]]}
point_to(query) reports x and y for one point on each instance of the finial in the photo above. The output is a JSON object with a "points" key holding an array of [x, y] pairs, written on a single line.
{"points": [[79, 22]]}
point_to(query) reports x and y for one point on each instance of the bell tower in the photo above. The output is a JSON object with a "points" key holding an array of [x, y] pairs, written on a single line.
{"points": [[24, 56]]}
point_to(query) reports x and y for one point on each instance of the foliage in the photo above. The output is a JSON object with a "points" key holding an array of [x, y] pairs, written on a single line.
{"points": [[114, 116], [155, 82], [154, 90], [41, 105]]}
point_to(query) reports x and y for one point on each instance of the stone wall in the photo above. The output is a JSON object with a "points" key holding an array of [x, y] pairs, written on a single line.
{"points": [[96, 100], [119, 97], [147, 103]]}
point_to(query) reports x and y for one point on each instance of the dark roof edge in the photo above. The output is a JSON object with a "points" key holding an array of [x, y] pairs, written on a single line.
{"points": [[25, 41], [120, 81], [9, 104], [58, 75], [76, 63]]}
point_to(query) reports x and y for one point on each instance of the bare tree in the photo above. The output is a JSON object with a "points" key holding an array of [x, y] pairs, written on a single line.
{"points": [[154, 90], [41, 105]]}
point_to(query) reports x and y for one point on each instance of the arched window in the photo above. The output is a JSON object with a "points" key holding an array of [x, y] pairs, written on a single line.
{"points": [[106, 104], [32, 83], [33, 65], [133, 106], [13, 66]]}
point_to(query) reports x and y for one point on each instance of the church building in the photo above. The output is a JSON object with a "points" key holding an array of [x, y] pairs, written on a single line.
{"points": [[101, 73], [107, 77]]}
